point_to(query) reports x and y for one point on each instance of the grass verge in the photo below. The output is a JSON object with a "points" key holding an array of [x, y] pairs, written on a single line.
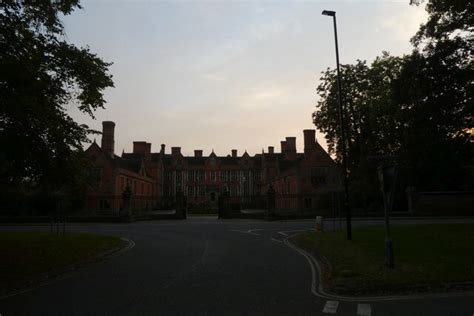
{"points": [[31, 257], [427, 258]]}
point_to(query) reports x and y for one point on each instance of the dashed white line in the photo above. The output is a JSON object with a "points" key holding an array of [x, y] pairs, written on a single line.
{"points": [[331, 307], [364, 310]]}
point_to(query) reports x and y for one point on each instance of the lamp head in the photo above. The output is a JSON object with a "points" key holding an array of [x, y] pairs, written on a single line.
{"points": [[329, 13]]}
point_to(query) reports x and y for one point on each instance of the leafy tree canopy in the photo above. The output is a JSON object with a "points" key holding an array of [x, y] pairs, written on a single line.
{"points": [[42, 74], [417, 108]]}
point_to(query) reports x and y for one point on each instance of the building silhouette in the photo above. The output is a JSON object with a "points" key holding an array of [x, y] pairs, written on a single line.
{"points": [[154, 179]]}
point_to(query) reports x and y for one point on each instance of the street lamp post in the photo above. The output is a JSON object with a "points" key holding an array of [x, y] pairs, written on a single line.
{"points": [[343, 136]]}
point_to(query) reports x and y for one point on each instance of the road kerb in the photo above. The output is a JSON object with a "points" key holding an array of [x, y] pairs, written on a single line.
{"points": [[318, 290], [68, 271]]}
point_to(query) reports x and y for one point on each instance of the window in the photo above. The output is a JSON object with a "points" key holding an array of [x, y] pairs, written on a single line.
{"points": [[104, 204], [191, 175], [246, 189], [319, 175], [202, 190], [213, 176], [95, 176], [234, 191], [245, 175], [179, 181]]}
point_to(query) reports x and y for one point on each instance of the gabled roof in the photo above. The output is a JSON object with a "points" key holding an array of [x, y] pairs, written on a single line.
{"points": [[131, 162], [195, 161], [155, 157], [229, 161], [132, 156], [132, 165]]}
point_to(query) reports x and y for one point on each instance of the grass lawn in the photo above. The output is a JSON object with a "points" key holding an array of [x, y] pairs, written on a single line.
{"points": [[427, 257], [27, 257]]}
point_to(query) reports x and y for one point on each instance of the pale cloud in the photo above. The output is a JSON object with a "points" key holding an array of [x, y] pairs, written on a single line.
{"points": [[240, 74], [263, 97], [402, 24], [214, 77], [263, 30]]}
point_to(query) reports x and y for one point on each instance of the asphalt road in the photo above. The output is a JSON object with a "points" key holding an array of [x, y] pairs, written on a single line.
{"points": [[205, 266]]}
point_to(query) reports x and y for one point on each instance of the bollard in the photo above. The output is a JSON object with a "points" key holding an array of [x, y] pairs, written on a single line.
{"points": [[319, 224]]}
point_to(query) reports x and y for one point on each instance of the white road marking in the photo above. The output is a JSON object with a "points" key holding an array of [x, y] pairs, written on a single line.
{"points": [[285, 232], [245, 232], [363, 309], [318, 290], [297, 230], [331, 307], [277, 240], [252, 231]]}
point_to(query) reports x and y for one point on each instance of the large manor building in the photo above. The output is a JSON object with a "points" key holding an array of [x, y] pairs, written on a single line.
{"points": [[157, 177]]}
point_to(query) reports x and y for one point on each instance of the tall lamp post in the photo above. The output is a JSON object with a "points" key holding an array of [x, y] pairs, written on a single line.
{"points": [[343, 136]]}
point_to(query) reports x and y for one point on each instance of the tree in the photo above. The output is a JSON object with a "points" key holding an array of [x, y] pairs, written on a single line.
{"points": [[369, 107], [41, 74], [417, 108], [435, 95]]}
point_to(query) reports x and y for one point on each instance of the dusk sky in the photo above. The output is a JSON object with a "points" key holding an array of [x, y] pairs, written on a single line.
{"points": [[222, 75]]}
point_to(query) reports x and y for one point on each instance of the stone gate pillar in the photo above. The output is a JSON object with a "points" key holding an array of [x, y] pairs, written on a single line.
{"points": [[271, 203], [127, 201]]}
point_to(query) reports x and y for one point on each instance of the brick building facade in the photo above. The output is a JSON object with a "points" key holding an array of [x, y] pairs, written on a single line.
{"points": [[155, 178]]}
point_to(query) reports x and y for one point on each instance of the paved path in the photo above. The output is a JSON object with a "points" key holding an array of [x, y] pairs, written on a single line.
{"points": [[204, 266]]}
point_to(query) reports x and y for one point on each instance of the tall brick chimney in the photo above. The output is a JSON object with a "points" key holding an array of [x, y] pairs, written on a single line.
{"points": [[142, 148], [108, 142], [290, 146], [234, 153], [271, 150], [198, 153], [148, 149], [175, 151], [309, 140], [139, 147], [283, 146], [162, 151]]}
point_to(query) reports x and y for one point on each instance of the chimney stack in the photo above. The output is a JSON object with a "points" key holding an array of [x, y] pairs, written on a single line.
{"points": [[142, 148], [283, 146], [290, 146], [234, 153], [162, 149], [197, 153], [309, 140], [108, 142], [139, 147], [271, 150], [148, 151], [175, 151]]}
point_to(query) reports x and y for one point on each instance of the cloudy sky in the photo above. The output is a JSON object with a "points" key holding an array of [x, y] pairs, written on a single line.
{"points": [[227, 74]]}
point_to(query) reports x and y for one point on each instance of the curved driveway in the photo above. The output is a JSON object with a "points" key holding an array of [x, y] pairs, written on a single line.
{"points": [[203, 266]]}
